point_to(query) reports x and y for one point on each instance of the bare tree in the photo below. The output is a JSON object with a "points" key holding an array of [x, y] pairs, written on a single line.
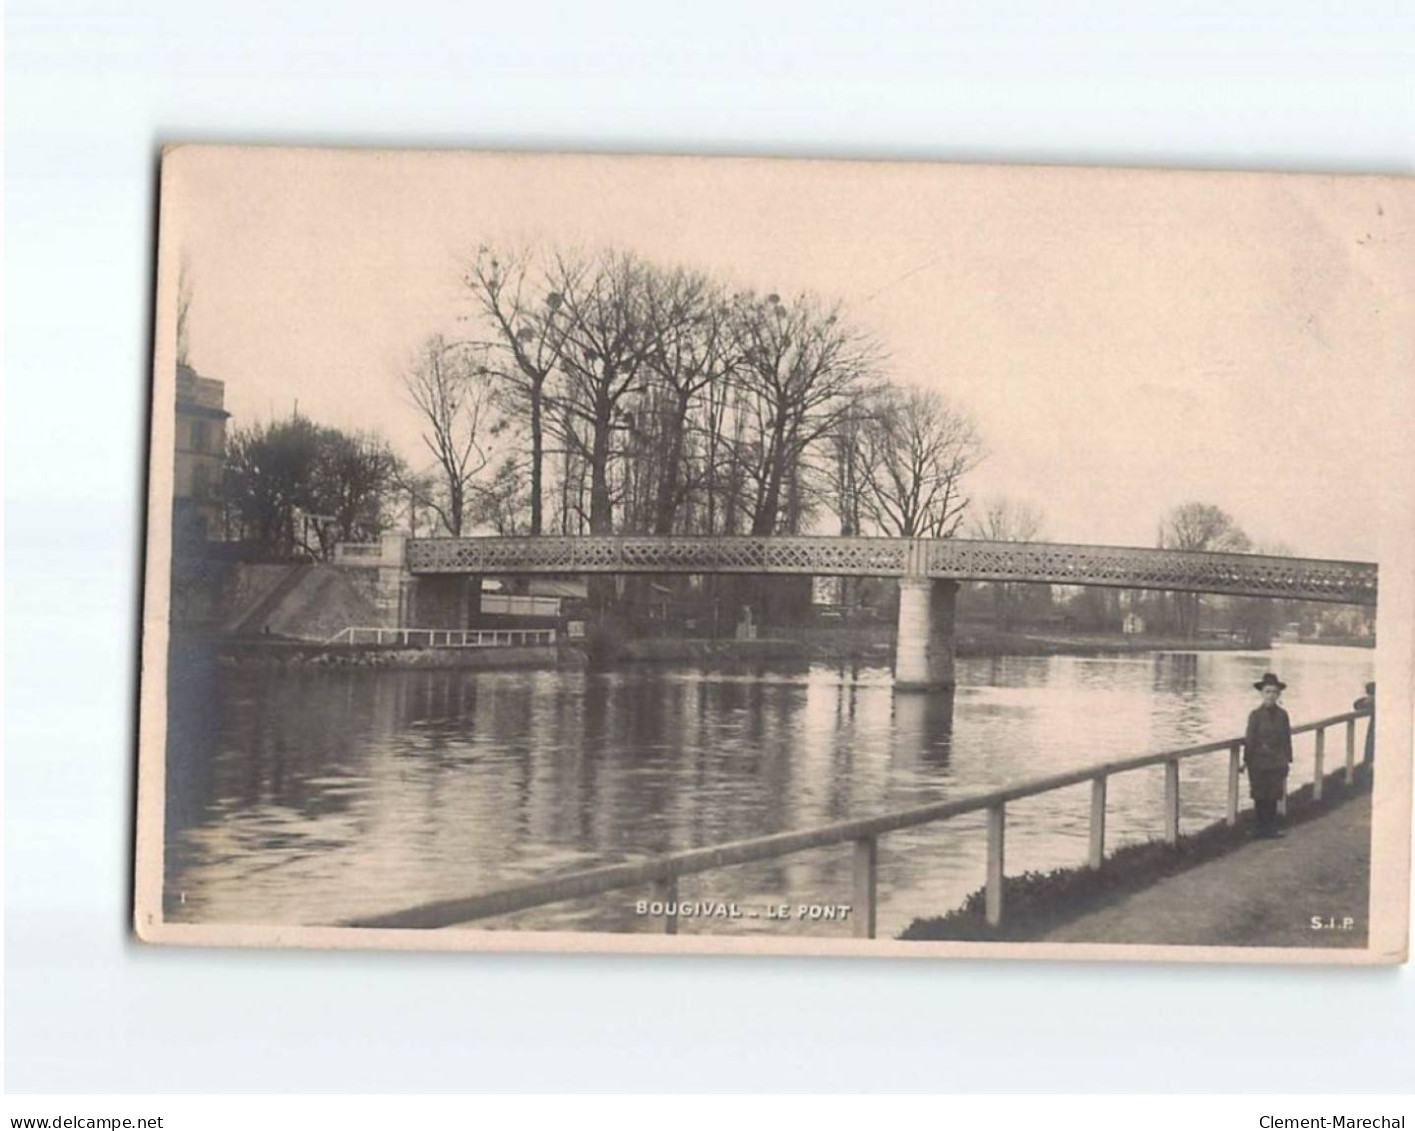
{"points": [[801, 367], [1258, 619], [447, 385], [1202, 526], [412, 496], [355, 482], [848, 470], [607, 338], [499, 503], [1007, 520], [917, 447], [184, 306], [721, 479], [527, 317], [1198, 527], [692, 349]]}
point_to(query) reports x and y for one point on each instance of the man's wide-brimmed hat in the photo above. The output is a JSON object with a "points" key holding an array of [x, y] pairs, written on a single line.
{"points": [[1269, 680]]}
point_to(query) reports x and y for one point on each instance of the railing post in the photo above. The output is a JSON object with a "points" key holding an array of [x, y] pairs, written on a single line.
{"points": [[667, 891], [1321, 757], [1171, 802], [1235, 758], [1370, 737], [1350, 751], [865, 886], [997, 827], [1097, 853]]}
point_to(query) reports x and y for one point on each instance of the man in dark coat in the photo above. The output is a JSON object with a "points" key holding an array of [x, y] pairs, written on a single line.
{"points": [[1267, 752], [1367, 702]]}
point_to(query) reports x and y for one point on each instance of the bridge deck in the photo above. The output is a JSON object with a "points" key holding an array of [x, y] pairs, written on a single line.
{"points": [[1247, 575]]}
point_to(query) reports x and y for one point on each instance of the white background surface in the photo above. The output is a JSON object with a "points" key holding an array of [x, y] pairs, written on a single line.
{"points": [[94, 88]]}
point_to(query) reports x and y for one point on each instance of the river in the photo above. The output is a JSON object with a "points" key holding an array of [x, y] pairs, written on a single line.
{"points": [[309, 796]]}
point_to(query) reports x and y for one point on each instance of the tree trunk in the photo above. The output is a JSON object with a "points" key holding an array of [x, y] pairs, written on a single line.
{"points": [[601, 505], [454, 509], [537, 452], [764, 521], [666, 504]]}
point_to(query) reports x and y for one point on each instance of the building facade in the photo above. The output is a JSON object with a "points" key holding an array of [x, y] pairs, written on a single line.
{"points": [[201, 451]]}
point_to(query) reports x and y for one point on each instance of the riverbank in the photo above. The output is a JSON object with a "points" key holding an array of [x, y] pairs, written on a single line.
{"points": [[872, 644], [1368, 642], [298, 653], [1084, 644], [1229, 901], [876, 642]]}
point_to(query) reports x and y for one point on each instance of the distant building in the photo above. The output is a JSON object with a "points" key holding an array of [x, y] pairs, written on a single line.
{"points": [[1133, 625], [201, 453]]}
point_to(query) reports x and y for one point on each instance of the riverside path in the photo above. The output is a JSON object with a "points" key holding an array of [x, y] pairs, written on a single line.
{"points": [[1308, 889]]}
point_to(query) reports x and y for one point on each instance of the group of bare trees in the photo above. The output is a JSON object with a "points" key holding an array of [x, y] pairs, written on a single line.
{"points": [[1193, 526], [1200, 526], [1002, 519], [605, 393]]}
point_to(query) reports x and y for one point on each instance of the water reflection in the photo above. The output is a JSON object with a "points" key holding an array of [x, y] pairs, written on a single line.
{"points": [[314, 796]]}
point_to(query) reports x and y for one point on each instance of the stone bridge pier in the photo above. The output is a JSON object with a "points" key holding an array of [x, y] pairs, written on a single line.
{"points": [[924, 639]]}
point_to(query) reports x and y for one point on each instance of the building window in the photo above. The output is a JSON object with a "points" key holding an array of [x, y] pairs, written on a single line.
{"points": [[199, 436]]}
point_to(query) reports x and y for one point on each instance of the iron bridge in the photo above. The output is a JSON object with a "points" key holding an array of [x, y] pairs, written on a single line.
{"points": [[1119, 567]]}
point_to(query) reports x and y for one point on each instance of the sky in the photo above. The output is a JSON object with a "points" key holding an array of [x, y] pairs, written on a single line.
{"points": [[1127, 341]]}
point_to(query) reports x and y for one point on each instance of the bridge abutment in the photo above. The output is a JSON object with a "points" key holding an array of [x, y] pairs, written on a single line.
{"points": [[924, 640], [393, 591]]}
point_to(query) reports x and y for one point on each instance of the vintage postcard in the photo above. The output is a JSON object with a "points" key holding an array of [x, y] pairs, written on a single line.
{"points": [[673, 554]]}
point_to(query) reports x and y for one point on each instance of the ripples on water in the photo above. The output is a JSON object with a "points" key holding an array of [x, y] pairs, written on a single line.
{"points": [[322, 795]]}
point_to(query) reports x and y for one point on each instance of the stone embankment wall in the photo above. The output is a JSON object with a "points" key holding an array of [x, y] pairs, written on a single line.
{"points": [[303, 601], [326, 600]]}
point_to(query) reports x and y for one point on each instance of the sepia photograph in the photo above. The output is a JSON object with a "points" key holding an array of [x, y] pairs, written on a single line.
{"points": [[730, 555]]}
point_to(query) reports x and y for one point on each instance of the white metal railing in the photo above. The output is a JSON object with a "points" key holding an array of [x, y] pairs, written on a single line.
{"points": [[444, 637], [663, 872]]}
